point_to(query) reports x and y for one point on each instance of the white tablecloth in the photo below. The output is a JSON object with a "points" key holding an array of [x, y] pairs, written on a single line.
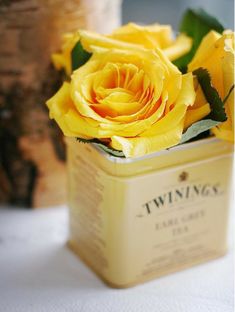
{"points": [[39, 274]]}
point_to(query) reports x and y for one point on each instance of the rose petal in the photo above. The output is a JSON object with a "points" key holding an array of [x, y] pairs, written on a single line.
{"points": [[181, 46], [225, 131], [177, 114], [196, 114], [139, 146]]}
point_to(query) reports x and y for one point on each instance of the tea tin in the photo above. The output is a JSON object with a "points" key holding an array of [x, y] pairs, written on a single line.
{"points": [[132, 220]]}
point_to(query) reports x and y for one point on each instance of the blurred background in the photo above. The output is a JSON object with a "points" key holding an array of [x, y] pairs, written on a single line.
{"points": [[170, 11]]}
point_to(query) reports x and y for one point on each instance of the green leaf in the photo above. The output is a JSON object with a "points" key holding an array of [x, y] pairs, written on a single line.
{"points": [[196, 23], [105, 148], [217, 114], [81, 140], [79, 56], [197, 128], [229, 93], [110, 150], [211, 95]]}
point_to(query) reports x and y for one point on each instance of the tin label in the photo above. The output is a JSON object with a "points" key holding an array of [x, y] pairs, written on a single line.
{"points": [[133, 229], [179, 218]]}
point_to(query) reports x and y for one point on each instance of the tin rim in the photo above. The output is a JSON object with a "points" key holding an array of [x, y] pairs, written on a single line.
{"points": [[183, 146]]}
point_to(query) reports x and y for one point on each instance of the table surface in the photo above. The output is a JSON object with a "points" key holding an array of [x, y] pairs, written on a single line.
{"points": [[39, 273]]}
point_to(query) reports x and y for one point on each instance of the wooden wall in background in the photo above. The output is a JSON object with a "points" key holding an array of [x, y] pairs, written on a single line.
{"points": [[32, 169]]}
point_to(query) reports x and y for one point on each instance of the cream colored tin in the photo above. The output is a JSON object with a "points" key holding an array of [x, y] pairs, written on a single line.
{"points": [[135, 219]]}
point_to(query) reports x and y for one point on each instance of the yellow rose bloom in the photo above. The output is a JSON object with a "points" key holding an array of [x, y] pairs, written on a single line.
{"points": [[133, 98], [147, 37], [216, 54]]}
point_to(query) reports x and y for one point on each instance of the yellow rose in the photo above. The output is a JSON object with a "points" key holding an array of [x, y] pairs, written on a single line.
{"points": [[216, 54], [135, 99], [130, 35]]}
